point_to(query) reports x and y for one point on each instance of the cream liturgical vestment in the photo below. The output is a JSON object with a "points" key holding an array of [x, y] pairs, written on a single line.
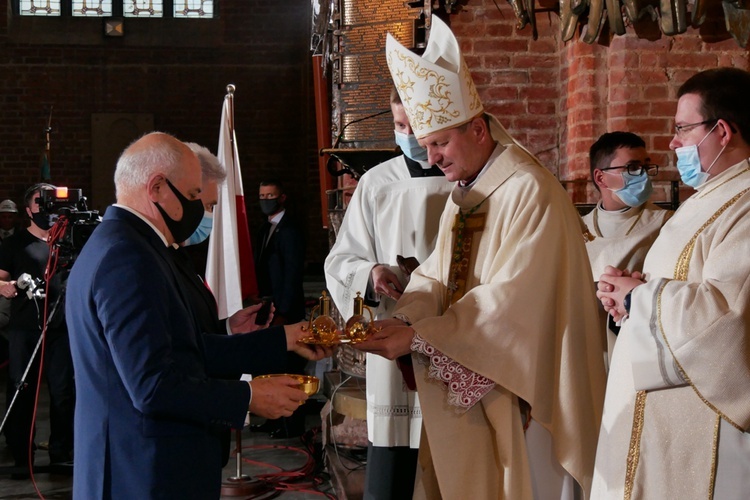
{"points": [[390, 214], [518, 316], [621, 239], [677, 409]]}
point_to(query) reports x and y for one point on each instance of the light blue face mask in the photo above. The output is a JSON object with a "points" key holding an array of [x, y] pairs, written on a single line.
{"points": [[203, 231], [636, 191], [689, 163], [410, 146]]}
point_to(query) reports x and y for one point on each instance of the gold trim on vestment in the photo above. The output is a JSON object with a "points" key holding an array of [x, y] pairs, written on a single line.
{"points": [[680, 273], [683, 261], [714, 457], [465, 227], [703, 195], [634, 451]]}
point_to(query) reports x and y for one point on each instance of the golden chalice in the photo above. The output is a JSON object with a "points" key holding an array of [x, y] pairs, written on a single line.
{"points": [[307, 383]]}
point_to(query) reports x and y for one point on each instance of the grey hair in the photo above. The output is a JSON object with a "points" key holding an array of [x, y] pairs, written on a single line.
{"points": [[137, 163], [211, 168]]}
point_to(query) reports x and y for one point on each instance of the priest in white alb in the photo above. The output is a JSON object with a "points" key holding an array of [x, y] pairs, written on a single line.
{"points": [[677, 410], [624, 223], [501, 319], [394, 211]]}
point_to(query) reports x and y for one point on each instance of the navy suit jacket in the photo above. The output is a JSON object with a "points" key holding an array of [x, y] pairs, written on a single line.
{"points": [[280, 267], [149, 411]]}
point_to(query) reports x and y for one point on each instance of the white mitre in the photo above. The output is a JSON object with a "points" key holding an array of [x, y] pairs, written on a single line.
{"points": [[436, 88]]}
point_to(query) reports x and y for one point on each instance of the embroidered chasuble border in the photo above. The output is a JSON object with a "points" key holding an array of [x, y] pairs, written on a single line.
{"points": [[464, 228]]}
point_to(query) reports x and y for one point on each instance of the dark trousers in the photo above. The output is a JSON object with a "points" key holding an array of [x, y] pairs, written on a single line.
{"points": [[58, 370], [390, 472]]}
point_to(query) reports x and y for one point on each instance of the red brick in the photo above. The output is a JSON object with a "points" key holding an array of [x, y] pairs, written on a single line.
{"points": [[538, 93], [654, 92], [541, 108], [496, 61], [498, 93], [694, 61], [662, 108]]}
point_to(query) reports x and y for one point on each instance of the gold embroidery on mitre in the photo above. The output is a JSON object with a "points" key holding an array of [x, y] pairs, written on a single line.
{"points": [[464, 229], [438, 105], [634, 451]]}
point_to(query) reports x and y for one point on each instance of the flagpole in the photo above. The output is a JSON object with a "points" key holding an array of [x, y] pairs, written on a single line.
{"points": [[230, 97], [45, 173]]}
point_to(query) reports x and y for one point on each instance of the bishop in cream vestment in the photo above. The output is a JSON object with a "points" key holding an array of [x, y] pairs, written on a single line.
{"points": [[677, 409], [523, 333]]}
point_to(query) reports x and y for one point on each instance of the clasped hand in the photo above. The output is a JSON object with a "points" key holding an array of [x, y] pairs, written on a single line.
{"points": [[392, 338], [613, 286]]}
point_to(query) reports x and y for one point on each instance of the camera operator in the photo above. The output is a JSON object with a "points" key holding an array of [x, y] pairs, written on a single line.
{"points": [[27, 251]]}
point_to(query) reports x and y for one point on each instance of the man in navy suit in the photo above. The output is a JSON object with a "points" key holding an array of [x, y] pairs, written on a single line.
{"points": [[152, 405], [279, 266], [280, 255]]}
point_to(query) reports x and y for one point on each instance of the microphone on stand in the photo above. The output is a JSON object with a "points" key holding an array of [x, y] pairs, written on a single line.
{"points": [[31, 285]]}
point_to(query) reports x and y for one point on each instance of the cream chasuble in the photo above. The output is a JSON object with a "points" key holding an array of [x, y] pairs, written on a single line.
{"points": [[622, 240], [390, 214], [525, 319], [677, 408]]}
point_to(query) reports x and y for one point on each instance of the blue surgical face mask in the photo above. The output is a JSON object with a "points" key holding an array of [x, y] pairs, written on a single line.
{"points": [[410, 146], [689, 163], [636, 189], [203, 231]]}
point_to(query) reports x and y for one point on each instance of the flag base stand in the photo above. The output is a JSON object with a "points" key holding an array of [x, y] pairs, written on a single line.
{"points": [[241, 484]]}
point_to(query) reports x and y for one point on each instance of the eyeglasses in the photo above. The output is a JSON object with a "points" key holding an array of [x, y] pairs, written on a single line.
{"points": [[681, 129], [651, 169]]}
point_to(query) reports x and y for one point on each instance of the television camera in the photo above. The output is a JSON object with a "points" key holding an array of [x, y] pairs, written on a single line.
{"points": [[70, 219]]}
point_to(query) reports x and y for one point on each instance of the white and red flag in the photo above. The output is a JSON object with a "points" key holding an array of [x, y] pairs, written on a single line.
{"points": [[230, 270]]}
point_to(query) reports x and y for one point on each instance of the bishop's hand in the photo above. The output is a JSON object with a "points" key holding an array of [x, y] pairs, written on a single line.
{"points": [[392, 338]]}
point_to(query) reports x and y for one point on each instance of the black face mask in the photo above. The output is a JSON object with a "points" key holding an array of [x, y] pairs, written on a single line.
{"points": [[43, 221], [192, 213], [270, 206]]}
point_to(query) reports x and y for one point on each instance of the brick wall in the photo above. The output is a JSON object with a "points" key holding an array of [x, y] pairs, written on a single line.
{"points": [[557, 98]]}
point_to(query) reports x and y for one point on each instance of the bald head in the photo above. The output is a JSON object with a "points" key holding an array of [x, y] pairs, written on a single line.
{"points": [[156, 176], [153, 153]]}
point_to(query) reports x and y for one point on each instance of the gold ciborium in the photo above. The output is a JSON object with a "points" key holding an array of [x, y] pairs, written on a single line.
{"points": [[307, 383], [322, 326], [359, 326]]}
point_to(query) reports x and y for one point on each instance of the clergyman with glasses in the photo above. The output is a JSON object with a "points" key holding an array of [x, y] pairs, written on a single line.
{"points": [[677, 409], [624, 222]]}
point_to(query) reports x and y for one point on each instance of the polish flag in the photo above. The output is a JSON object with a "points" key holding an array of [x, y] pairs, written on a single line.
{"points": [[230, 270]]}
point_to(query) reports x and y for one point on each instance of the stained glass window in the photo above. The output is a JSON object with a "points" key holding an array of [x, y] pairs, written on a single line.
{"points": [[92, 8], [143, 8], [193, 8], [177, 9], [40, 7]]}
